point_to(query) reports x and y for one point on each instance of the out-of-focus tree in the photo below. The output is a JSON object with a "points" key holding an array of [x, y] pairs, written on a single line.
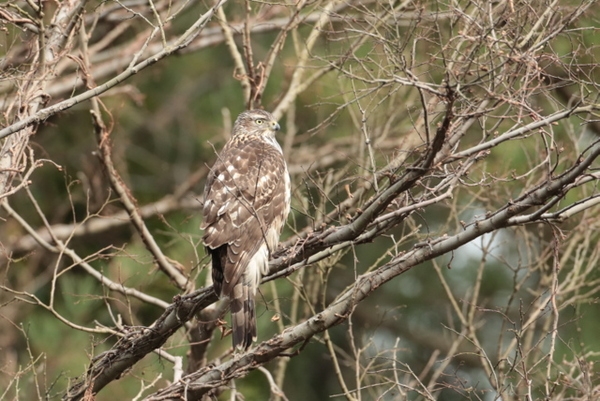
{"points": [[443, 242]]}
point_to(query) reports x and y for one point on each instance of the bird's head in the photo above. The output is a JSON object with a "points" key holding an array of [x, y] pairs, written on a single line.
{"points": [[256, 122]]}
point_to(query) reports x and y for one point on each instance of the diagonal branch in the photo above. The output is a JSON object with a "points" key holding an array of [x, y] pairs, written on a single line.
{"points": [[61, 248], [175, 273], [195, 385], [176, 45], [95, 225], [110, 365]]}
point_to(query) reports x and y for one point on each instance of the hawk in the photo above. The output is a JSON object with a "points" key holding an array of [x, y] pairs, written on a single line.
{"points": [[246, 203]]}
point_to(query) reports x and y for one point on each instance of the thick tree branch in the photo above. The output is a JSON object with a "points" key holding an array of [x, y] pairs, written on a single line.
{"points": [[109, 365], [195, 385]]}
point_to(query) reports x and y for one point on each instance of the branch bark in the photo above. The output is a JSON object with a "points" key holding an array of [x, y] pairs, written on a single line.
{"points": [[195, 385], [174, 46]]}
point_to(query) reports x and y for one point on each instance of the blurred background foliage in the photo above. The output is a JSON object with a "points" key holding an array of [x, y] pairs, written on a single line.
{"points": [[169, 120]]}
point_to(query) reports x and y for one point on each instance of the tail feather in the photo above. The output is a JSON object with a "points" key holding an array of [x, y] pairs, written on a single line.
{"points": [[243, 316]]}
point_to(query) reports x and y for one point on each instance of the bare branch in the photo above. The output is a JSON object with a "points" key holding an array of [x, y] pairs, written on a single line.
{"points": [[174, 46]]}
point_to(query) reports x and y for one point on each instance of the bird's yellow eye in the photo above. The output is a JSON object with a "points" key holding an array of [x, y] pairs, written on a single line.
{"points": [[259, 121]]}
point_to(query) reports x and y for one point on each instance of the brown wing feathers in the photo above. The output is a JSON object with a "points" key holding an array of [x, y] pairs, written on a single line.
{"points": [[244, 200]]}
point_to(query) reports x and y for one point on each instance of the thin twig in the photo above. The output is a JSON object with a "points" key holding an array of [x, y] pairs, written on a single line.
{"points": [[174, 46]]}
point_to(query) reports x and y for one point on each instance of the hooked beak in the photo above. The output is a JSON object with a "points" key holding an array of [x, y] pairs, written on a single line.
{"points": [[274, 125]]}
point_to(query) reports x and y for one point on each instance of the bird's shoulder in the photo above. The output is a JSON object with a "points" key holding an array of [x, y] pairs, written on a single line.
{"points": [[247, 171], [246, 156]]}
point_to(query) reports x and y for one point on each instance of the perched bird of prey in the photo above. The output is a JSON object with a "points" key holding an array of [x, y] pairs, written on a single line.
{"points": [[246, 203]]}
